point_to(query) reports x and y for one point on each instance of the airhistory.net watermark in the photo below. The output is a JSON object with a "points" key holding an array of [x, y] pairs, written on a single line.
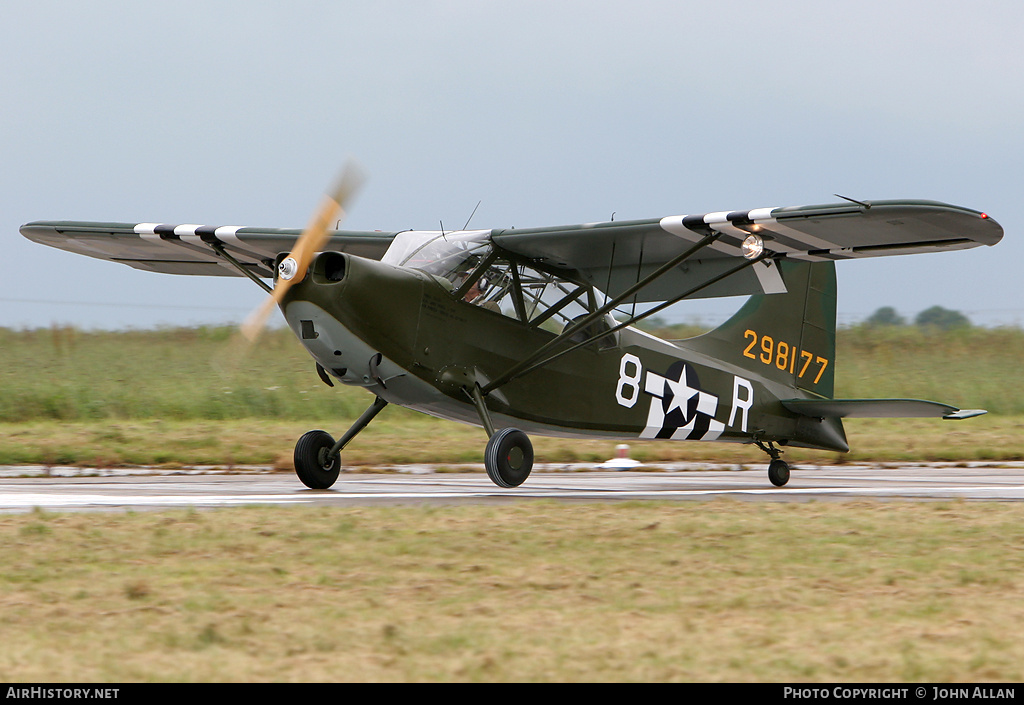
{"points": [[42, 693]]}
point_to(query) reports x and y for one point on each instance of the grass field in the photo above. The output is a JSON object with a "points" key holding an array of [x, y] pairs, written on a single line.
{"points": [[718, 591], [926, 592], [396, 438], [183, 396]]}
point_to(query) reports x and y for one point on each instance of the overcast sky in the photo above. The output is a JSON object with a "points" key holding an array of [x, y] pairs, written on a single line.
{"points": [[548, 113]]}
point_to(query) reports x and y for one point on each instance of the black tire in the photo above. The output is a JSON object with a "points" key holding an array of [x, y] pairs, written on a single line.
{"points": [[314, 468], [508, 458], [778, 472]]}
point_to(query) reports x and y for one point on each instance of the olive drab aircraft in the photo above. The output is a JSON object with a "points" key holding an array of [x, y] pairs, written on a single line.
{"points": [[532, 331]]}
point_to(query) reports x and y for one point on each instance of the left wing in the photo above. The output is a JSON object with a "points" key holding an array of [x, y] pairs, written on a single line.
{"points": [[191, 249], [614, 255]]}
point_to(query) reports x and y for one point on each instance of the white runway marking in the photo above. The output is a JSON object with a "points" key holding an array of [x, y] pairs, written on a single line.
{"points": [[145, 490]]}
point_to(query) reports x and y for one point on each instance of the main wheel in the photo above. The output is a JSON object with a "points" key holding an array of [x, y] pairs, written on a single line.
{"points": [[312, 464], [778, 472], [508, 457]]}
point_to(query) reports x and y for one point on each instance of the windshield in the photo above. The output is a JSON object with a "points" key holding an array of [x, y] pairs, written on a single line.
{"points": [[450, 256]]}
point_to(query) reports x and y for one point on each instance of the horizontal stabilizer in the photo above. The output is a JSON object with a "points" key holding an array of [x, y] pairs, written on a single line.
{"points": [[876, 408]]}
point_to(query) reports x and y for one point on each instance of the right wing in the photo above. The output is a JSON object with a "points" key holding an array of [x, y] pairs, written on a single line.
{"points": [[189, 249]]}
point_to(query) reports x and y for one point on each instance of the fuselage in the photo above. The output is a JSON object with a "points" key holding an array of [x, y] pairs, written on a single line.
{"points": [[404, 335]]}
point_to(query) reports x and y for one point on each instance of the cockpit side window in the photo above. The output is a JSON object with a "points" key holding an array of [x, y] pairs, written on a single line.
{"points": [[537, 297], [466, 264], [492, 288]]}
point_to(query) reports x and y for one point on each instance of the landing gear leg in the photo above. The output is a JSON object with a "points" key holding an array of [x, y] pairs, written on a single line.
{"points": [[317, 456], [508, 457], [778, 469]]}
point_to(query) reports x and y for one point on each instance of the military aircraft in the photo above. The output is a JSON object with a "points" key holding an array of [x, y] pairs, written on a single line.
{"points": [[532, 331]]}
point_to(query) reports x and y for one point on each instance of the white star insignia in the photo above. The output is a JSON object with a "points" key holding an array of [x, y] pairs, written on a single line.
{"points": [[681, 392]]}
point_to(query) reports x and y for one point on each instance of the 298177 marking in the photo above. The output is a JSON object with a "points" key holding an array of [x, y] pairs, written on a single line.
{"points": [[783, 355]]}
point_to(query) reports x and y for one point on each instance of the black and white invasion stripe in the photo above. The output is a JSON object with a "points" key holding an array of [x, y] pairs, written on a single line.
{"points": [[735, 226], [198, 238]]}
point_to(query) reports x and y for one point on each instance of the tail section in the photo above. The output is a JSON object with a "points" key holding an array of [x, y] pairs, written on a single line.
{"points": [[789, 338]]}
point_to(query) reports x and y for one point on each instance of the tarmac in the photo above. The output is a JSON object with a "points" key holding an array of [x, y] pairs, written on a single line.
{"points": [[56, 488]]}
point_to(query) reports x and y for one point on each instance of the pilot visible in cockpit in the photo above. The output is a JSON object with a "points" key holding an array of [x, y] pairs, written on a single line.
{"points": [[474, 293]]}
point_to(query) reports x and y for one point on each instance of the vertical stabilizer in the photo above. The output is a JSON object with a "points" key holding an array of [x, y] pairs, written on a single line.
{"points": [[789, 338]]}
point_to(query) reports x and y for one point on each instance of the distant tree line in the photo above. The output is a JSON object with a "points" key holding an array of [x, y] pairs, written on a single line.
{"points": [[934, 317]]}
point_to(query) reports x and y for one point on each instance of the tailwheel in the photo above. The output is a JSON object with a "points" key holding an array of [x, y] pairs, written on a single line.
{"points": [[778, 469], [508, 458], [314, 464], [778, 472]]}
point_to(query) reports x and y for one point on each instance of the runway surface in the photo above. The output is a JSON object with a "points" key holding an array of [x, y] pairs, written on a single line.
{"points": [[66, 489]]}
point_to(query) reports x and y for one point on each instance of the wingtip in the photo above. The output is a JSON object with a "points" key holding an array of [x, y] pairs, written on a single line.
{"points": [[964, 414]]}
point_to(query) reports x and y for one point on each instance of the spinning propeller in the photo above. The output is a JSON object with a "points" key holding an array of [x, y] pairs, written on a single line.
{"points": [[293, 267]]}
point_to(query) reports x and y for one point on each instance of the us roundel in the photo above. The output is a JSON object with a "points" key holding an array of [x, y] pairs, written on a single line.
{"points": [[680, 409]]}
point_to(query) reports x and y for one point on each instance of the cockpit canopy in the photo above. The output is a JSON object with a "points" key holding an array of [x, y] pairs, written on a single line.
{"points": [[444, 255], [471, 268]]}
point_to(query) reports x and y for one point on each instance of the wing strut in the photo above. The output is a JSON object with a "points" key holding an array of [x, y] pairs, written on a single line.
{"points": [[645, 314], [534, 363], [531, 362], [223, 254]]}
